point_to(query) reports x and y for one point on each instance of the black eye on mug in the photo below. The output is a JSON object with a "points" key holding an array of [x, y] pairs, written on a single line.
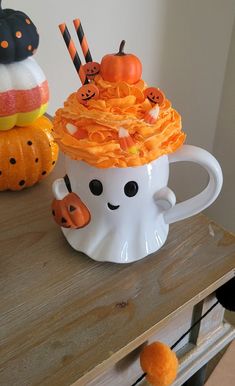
{"points": [[96, 187], [131, 189]]}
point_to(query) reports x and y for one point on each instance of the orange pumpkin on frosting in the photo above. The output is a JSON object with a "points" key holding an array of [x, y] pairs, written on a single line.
{"points": [[87, 92], [121, 67], [91, 69], [154, 95]]}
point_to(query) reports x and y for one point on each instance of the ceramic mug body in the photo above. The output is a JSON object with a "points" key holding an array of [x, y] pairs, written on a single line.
{"points": [[131, 208]]}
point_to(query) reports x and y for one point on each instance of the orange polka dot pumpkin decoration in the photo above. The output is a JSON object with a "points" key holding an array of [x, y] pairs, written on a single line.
{"points": [[18, 36], [27, 154], [121, 67]]}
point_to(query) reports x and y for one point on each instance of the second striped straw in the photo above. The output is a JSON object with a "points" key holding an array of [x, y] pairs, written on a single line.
{"points": [[82, 40], [73, 53]]}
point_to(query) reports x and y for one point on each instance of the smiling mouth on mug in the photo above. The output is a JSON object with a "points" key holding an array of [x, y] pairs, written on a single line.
{"points": [[112, 207]]}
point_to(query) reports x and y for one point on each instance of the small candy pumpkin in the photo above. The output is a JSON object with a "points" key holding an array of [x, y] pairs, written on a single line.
{"points": [[154, 95], [91, 69], [18, 36], [24, 93], [27, 154], [121, 67], [70, 212], [87, 92]]}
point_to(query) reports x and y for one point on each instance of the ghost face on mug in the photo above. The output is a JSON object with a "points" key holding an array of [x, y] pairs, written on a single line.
{"points": [[117, 195]]}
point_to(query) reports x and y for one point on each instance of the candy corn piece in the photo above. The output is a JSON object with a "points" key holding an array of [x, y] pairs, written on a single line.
{"points": [[76, 132], [152, 115], [126, 141]]}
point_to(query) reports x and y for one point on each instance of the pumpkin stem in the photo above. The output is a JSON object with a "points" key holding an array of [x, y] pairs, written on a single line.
{"points": [[121, 48]]}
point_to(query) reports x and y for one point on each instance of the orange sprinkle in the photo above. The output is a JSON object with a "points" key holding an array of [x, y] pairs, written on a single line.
{"points": [[30, 47], [4, 44], [28, 21], [18, 34]]}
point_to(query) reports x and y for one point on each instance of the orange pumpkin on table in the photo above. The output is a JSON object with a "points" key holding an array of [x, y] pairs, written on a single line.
{"points": [[121, 67], [27, 154]]}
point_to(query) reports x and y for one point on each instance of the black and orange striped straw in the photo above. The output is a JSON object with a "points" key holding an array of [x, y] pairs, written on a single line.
{"points": [[82, 40], [73, 53]]}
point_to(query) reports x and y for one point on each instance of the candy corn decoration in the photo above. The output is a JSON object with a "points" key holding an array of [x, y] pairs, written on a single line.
{"points": [[82, 40], [76, 132], [152, 115], [73, 53], [126, 141], [156, 98]]}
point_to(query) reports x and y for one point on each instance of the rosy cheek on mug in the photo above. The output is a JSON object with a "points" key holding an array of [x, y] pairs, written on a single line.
{"points": [[70, 212]]}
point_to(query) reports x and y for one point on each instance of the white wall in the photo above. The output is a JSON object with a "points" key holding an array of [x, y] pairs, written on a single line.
{"points": [[183, 45], [223, 211]]}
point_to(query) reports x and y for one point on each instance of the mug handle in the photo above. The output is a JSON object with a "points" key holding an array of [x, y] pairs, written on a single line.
{"points": [[202, 200]]}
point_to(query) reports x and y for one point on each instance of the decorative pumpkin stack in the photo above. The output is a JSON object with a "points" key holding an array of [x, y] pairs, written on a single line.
{"points": [[27, 149]]}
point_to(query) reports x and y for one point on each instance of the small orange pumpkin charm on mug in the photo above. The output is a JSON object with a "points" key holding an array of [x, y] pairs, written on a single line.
{"points": [[70, 212], [87, 92]]}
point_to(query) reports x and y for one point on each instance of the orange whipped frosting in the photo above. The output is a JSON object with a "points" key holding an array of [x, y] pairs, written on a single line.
{"points": [[120, 105]]}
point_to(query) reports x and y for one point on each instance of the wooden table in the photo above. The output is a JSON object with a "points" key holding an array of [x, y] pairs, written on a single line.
{"points": [[65, 319]]}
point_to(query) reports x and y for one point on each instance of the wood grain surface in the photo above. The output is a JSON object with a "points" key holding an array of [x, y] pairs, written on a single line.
{"points": [[64, 317]]}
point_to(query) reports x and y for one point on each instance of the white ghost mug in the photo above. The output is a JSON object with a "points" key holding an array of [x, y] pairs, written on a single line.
{"points": [[131, 208]]}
